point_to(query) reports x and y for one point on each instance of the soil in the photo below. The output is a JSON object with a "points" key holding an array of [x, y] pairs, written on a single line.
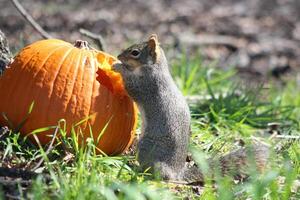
{"points": [[258, 37]]}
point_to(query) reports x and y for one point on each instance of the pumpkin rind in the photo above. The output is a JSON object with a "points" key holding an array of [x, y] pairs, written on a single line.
{"points": [[61, 80]]}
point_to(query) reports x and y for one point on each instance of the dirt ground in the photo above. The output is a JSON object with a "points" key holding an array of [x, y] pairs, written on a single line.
{"points": [[259, 36]]}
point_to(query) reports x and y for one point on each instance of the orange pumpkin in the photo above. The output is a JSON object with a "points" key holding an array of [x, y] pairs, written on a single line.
{"points": [[61, 81]]}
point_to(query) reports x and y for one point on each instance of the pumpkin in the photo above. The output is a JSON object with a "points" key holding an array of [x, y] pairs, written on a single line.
{"points": [[60, 78]]}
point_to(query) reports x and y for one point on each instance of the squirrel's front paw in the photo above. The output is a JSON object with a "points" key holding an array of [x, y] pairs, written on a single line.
{"points": [[117, 66]]}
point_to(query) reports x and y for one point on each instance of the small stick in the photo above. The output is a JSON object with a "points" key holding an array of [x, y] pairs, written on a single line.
{"points": [[176, 182], [30, 19], [9, 196], [184, 182], [208, 39], [96, 37], [3, 132], [47, 151], [288, 137]]}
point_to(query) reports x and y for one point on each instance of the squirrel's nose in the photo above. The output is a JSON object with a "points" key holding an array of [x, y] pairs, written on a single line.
{"points": [[121, 57], [116, 64]]}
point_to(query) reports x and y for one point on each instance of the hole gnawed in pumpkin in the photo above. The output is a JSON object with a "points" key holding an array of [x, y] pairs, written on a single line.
{"points": [[106, 76], [109, 78]]}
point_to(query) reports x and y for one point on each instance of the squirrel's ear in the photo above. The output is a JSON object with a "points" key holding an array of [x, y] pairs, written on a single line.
{"points": [[153, 45]]}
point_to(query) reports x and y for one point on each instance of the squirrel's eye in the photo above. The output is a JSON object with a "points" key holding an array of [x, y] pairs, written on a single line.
{"points": [[135, 53]]}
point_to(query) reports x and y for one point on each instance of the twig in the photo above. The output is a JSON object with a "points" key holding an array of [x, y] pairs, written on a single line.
{"points": [[96, 37], [192, 183], [192, 99], [288, 137], [176, 182], [205, 39], [47, 151], [30, 19], [9, 196], [3, 132]]}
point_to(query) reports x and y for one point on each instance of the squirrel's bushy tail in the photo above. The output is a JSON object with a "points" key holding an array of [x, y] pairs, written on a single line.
{"points": [[237, 164]]}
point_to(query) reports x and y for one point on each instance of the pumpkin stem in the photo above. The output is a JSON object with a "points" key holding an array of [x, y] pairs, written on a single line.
{"points": [[81, 44]]}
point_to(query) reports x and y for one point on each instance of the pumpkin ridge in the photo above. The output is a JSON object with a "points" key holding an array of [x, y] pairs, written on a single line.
{"points": [[133, 125], [109, 130], [106, 97], [43, 65], [73, 58], [83, 59], [94, 67], [63, 59], [42, 81], [45, 61], [15, 84], [61, 64], [125, 125], [93, 91], [109, 98], [90, 58], [74, 78], [119, 136], [122, 138], [67, 91], [21, 114], [61, 98], [27, 100], [130, 125]]}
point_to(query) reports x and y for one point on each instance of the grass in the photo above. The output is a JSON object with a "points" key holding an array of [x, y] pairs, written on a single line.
{"points": [[227, 115]]}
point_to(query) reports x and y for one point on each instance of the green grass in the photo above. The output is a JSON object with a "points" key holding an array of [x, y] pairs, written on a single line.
{"points": [[226, 114]]}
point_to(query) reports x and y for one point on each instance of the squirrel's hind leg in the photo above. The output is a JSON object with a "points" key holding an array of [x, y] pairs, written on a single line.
{"points": [[192, 175]]}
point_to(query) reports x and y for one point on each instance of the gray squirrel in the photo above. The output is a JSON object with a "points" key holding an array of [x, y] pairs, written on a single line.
{"points": [[163, 146]]}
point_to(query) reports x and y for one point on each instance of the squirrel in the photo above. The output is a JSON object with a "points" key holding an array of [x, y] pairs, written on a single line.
{"points": [[163, 146], [5, 55]]}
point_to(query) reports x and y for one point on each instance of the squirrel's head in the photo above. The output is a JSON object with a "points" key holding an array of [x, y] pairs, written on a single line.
{"points": [[141, 66], [145, 53]]}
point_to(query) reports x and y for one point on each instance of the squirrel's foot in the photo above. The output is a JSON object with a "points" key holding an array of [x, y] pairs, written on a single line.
{"points": [[165, 171], [186, 175]]}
